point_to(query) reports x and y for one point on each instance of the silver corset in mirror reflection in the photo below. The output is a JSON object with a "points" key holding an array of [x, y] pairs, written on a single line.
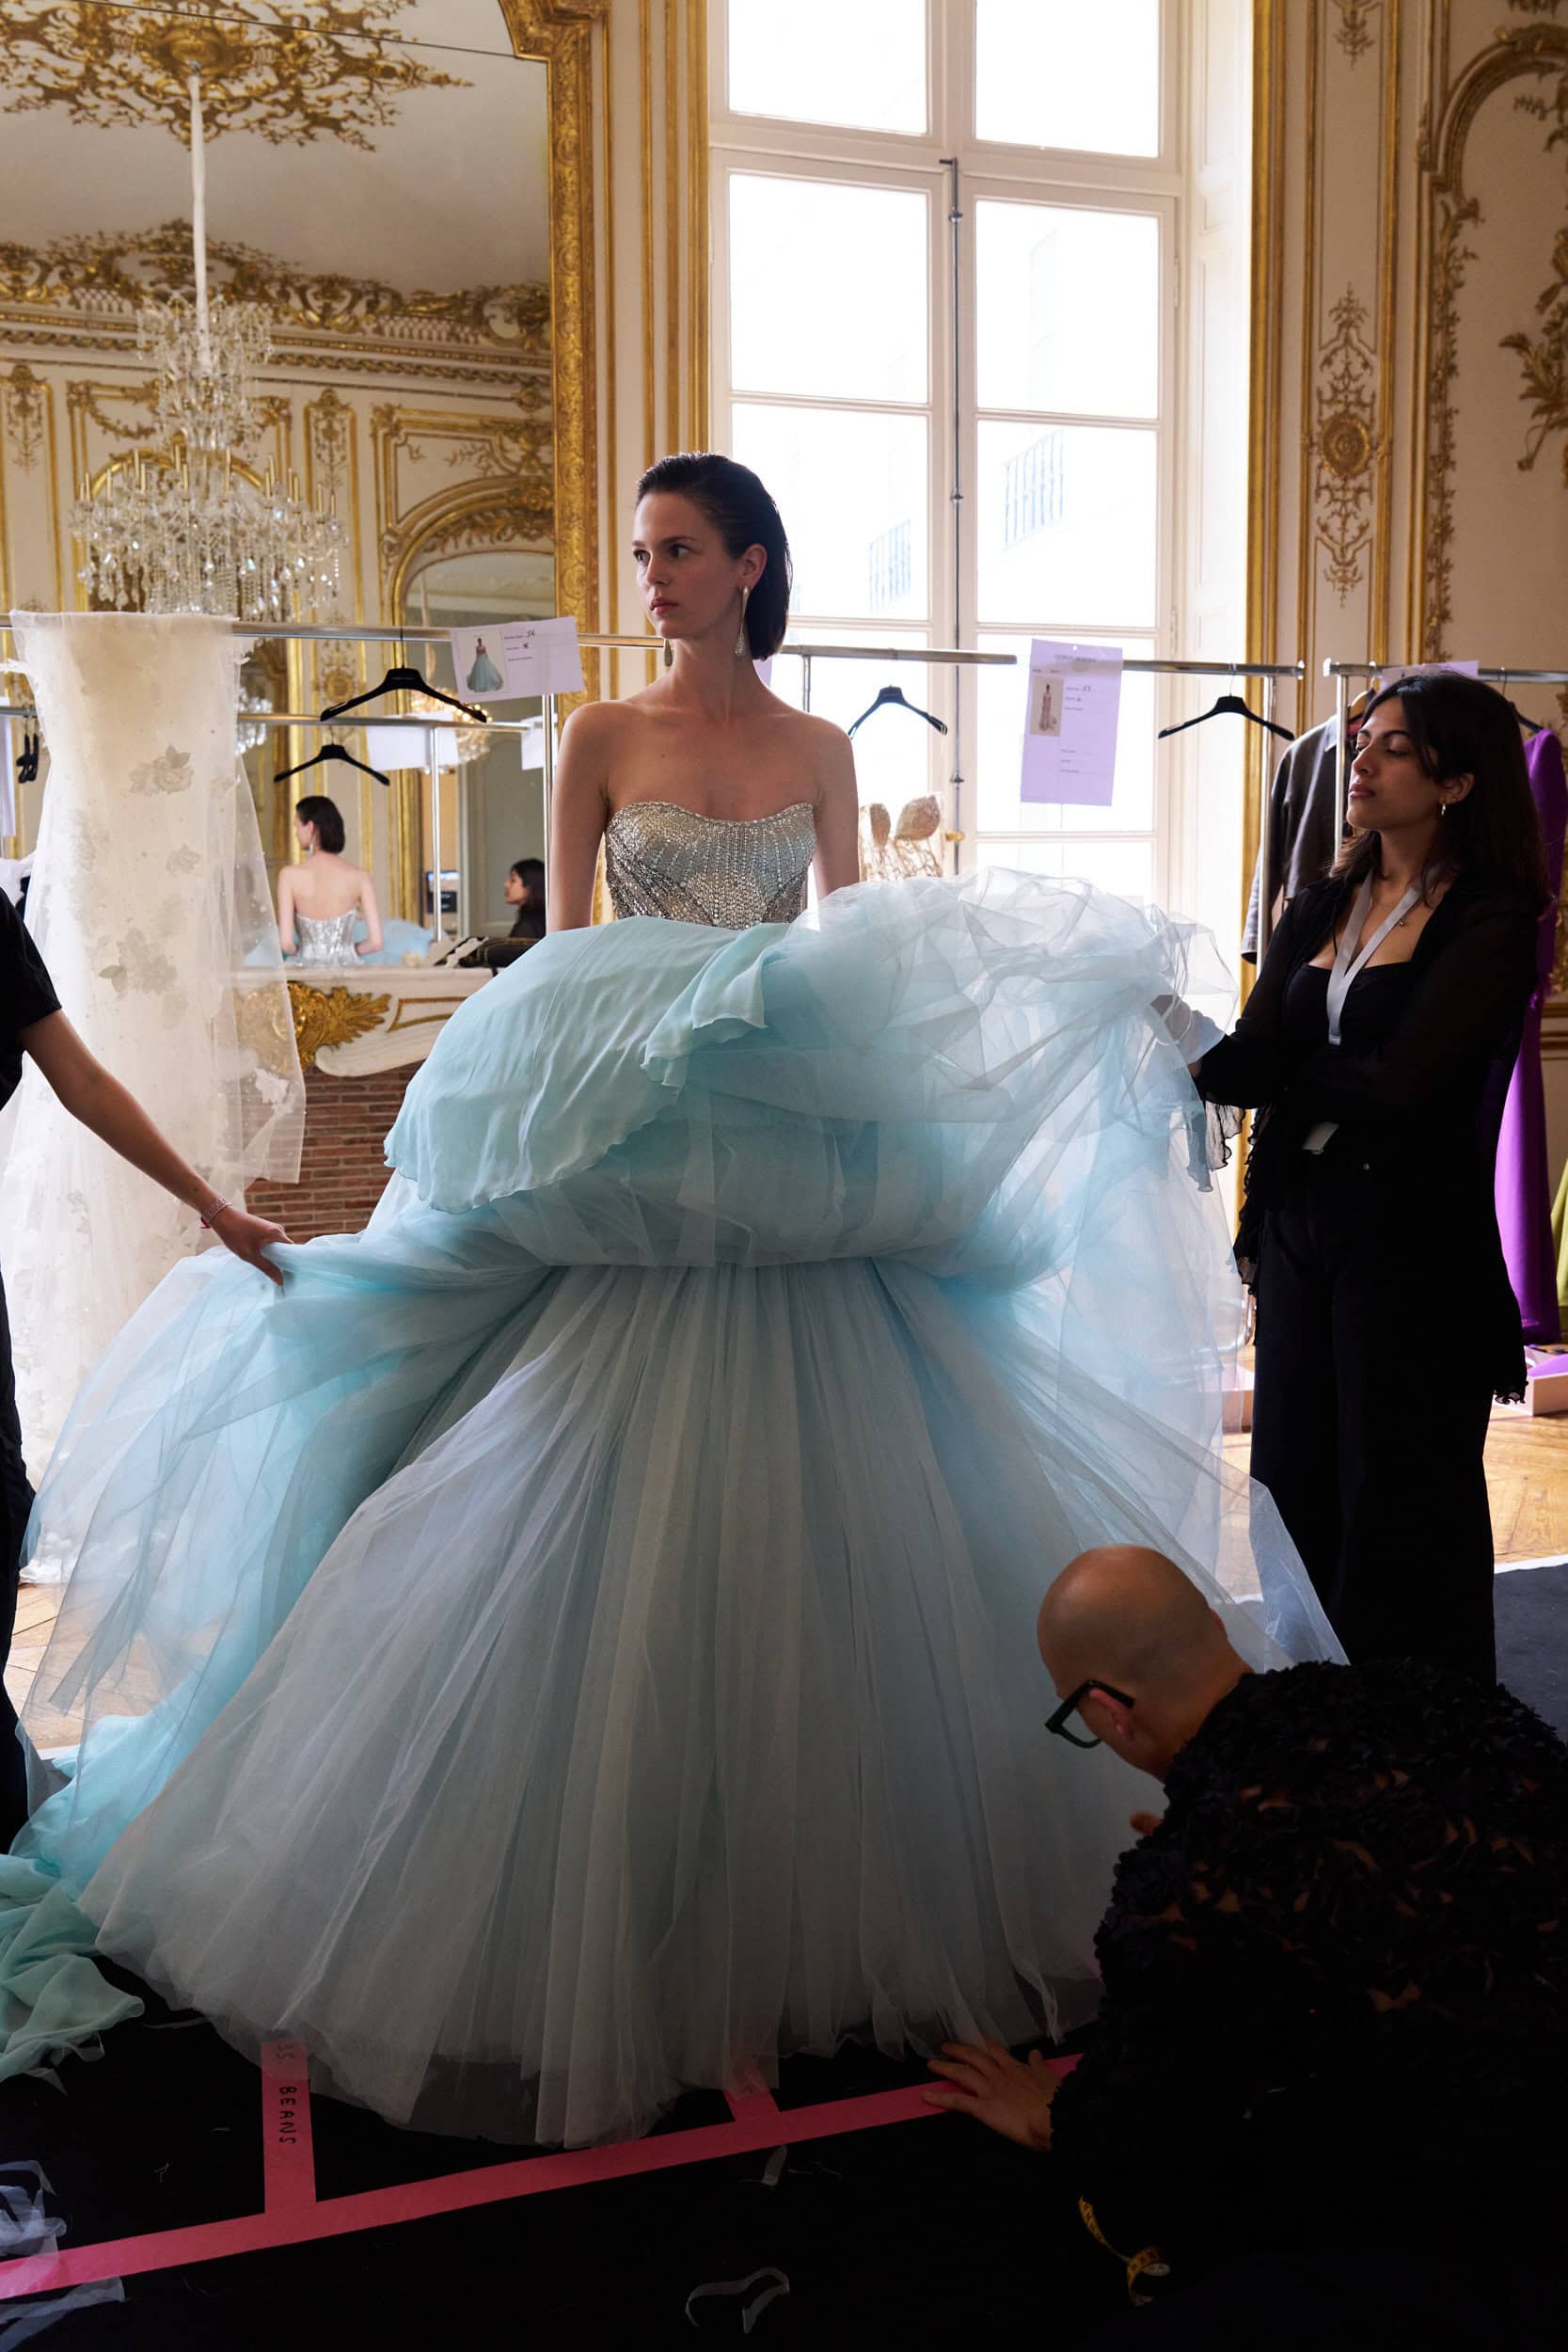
{"points": [[325, 939], [728, 871]]}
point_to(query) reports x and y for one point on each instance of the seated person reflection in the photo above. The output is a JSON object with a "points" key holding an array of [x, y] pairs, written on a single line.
{"points": [[320, 903], [524, 890], [1335, 1977]]}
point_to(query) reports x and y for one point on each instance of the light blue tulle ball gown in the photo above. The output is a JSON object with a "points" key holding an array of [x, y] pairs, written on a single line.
{"points": [[578, 1636]]}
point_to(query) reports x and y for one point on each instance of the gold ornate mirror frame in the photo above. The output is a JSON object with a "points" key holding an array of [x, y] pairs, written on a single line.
{"points": [[560, 34]]}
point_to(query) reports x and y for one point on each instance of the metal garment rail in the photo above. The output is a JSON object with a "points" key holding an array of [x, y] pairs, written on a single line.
{"points": [[806, 652], [1343, 672]]}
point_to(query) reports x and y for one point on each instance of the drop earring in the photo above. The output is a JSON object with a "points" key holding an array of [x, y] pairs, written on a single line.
{"points": [[741, 640]]}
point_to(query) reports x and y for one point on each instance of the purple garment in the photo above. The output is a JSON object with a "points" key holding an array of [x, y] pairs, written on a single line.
{"points": [[1524, 1188]]}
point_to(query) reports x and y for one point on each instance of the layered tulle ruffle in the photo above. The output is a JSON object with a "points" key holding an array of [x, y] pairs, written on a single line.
{"points": [[578, 1636]]}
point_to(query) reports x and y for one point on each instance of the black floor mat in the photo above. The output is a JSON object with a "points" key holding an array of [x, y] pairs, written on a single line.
{"points": [[930, 2230], [1530, 1606]]}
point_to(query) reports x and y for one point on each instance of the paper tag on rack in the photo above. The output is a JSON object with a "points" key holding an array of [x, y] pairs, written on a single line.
{"points": [[542, 657], [1396, 670], [396, 747], [1070, 722], [532, 742]]}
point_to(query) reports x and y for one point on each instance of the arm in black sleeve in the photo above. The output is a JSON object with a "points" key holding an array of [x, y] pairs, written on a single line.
{"points": [[1458, 1014], [1190, 1952], [1254, 1064], [26, 992]]}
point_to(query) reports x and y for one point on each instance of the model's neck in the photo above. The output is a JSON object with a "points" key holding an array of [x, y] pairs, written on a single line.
{"points": [[1404, 856], [708, 673]]}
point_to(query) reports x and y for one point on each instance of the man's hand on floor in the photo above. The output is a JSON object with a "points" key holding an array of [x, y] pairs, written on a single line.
{"points": [[1009, 2096]]}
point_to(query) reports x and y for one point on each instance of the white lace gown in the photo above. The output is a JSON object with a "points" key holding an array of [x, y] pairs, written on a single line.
{"points": [[149, 905]]}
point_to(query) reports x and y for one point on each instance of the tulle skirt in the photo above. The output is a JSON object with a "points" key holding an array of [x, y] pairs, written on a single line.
{"points": [[577, 1639]]}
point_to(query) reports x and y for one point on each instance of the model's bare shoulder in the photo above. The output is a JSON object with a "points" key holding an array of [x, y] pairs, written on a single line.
{"points": [[593, 723], [825, 734]]}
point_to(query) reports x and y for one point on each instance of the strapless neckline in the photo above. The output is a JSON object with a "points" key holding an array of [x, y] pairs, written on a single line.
{"points": [[662, 858], [702, 817]]}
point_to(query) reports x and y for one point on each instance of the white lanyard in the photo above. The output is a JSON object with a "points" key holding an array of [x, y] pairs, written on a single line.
{"points": [[1347, 962]]}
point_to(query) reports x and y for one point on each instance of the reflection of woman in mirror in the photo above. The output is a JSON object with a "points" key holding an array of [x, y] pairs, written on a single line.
{"points": [[320, 903], [483, 677], [524, 890], [634, 1539]]}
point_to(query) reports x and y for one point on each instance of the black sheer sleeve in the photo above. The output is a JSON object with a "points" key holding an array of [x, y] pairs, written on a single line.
{"points": [[1458, 1015], [1187, 1947], [1255, 1062], [1338, 1969]]}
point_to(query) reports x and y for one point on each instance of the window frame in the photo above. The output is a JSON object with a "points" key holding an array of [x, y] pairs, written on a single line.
{"points": [[989, 171]]}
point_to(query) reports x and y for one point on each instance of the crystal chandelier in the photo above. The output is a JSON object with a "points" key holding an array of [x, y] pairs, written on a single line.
{"points": [[183, 528]]}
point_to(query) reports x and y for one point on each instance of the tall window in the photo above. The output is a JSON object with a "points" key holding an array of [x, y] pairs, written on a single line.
{"points": [[844, 349]]}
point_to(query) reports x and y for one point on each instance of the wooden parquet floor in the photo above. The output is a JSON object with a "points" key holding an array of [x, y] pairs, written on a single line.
{"points": [[1526, 1478]]}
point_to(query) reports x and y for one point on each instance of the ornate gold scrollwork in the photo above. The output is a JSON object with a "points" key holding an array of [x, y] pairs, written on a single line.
{"points": [[331, 1016], [1347, 444]]}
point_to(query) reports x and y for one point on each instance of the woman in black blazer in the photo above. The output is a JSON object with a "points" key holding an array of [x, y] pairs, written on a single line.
{"points": [[1391, 994]]}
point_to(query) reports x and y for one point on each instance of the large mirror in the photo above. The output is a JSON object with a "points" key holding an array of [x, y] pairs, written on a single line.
{"points": [[378, 178]]}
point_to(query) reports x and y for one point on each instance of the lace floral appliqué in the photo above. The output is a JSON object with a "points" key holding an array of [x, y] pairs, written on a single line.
{"points": [[170, 772]]}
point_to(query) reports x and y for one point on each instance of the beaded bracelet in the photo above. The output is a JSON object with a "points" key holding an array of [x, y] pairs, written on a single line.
{"points": [[213, 1213]]}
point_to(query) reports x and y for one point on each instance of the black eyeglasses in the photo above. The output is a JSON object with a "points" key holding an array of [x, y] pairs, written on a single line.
{"points": [[1058, 1722]]}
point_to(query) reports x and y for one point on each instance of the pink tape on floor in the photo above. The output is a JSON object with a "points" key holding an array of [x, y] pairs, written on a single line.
{"points": [[765, 2127], [288, 2155]]}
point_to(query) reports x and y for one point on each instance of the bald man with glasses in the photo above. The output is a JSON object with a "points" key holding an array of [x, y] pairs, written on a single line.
{"points": [[1335, 1986]]}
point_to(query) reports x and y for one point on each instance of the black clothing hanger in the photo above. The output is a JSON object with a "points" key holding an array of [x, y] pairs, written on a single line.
{"points": [[402, 679], [27, 757], [895, 696], [1228, 705], [331, 751], [1532, 727]]}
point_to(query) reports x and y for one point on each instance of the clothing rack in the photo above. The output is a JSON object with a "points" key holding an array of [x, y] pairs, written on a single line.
{"points": [[1343, 672], [806, 652]]}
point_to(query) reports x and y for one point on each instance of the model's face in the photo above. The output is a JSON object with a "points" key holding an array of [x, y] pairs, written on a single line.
{"points": [[305, 833], [516, 891], [1389, 790], [689, 582]]}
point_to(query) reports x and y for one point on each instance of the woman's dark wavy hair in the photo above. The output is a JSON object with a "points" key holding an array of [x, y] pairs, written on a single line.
{"points": [[327, 817], [739, 506], [1459, 728]]}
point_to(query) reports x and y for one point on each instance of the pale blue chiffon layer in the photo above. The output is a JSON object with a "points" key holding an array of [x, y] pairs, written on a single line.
{"points": [[577, 1637]]}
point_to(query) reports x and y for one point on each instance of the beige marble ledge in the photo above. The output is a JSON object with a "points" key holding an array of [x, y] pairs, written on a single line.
{"points": [[350, 1024]]}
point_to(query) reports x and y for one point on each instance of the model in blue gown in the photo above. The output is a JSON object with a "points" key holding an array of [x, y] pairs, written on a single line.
{"points": [[577, 1638], [483, 677]]}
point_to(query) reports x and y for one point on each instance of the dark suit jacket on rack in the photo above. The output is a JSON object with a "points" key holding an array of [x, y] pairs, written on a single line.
{"points": [[1301, 822]]}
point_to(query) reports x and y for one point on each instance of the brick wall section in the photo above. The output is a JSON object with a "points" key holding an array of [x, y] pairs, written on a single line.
{"points": [[342, 1167]]}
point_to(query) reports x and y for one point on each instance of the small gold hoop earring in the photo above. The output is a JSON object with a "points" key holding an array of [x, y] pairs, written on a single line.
{"points": [[740, 645]]}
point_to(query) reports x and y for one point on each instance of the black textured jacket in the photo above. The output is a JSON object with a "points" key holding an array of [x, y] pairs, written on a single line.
{"points": [[1336, 1977]]}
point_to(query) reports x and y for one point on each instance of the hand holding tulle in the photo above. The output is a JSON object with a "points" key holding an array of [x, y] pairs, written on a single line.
{"points": [[247, 1237], [1009, 2095]]}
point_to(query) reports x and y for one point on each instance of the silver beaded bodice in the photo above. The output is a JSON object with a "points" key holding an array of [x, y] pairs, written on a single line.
{"points": [[325, 938], [729, 871]]}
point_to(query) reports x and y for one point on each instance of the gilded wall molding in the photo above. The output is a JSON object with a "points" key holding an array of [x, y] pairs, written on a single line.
{"points": [[1544, 363], [1450, 210], [109, 68], [26, 398], [561, 33], [512, 503], [1354, 32], [95, 282], [1346, 445]]}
